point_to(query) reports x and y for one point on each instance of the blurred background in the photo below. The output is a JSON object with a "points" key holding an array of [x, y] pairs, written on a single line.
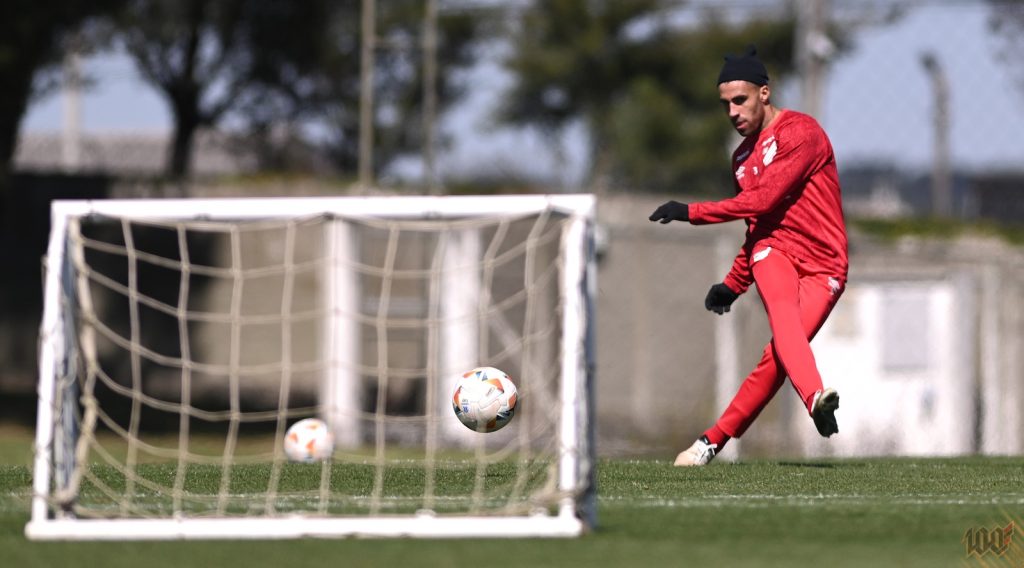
{"points": [[922, 100]]}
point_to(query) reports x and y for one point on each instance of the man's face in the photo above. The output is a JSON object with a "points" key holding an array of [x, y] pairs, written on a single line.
{"points": [[745, 104]]}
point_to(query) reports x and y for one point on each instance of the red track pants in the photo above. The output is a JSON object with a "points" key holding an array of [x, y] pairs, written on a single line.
{"points": [[798, 299]]}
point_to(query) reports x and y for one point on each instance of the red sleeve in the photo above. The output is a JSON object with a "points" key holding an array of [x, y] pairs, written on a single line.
{"points": [[739, 277], [797, 156]]}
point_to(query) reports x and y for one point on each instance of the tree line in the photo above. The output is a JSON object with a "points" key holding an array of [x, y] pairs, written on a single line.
{"points": [[639, 80]]}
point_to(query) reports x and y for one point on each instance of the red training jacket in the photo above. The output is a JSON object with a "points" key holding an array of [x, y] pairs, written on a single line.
{"points": [[787, 190]]}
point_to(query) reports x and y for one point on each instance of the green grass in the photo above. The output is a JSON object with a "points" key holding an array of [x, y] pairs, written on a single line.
{"points": [[878, 512]]}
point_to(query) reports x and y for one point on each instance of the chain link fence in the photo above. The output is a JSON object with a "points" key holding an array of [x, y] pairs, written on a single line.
{"points": [[922, 102], [921, 99]]}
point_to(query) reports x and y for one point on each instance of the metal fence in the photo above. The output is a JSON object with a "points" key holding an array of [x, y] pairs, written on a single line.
{"points": [[922, 102], [921, 98]]}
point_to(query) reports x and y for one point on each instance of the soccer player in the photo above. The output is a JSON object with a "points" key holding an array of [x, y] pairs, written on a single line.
{"points": [[787, 191]]}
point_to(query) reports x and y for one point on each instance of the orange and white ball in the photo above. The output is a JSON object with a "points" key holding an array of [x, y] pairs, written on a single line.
{"points": [[309, 440], [485, 399]]}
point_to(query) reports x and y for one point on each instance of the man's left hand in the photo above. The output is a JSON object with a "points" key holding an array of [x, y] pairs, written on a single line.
{"points": [[671, 211], [719, 298]]}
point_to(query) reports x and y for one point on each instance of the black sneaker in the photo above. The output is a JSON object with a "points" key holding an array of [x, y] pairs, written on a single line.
{"points": [[823, 412]]}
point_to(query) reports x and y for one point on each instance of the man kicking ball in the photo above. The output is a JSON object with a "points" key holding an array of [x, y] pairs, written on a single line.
{"points": [[787, 191]]}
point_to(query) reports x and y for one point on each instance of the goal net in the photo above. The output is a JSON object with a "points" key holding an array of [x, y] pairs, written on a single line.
{"points": [[181, 339]]}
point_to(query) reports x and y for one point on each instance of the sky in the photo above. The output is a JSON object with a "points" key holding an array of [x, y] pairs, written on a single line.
{"points": [[878, 103], [879, 100], [118, 100]]}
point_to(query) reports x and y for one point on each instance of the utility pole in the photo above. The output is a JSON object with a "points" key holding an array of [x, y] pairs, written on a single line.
{"points": [[366, 78], [71, 117], [813, 48], [942, 179], [430, 96]]}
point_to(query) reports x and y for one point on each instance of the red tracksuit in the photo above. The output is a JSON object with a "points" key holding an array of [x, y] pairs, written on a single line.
{"points": [[787, 190]]}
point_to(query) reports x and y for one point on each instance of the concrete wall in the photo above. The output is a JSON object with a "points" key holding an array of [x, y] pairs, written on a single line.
{"points": [[657, 361], [960, 389], [666, 367]]}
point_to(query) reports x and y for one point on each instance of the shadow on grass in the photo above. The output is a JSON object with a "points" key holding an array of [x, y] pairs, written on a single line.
{"points": [[754, 463], [819, 465]]}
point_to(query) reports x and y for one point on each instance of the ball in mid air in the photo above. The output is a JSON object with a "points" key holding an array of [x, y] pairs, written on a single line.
{"points": [[485, 399], [309, 440]]}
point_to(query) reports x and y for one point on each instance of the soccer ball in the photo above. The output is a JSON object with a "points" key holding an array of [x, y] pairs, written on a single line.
{"points": [[309, 440], [485, 399]]}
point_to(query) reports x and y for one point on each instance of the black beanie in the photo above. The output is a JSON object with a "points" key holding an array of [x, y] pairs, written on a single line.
{"points": [[746, 67]]}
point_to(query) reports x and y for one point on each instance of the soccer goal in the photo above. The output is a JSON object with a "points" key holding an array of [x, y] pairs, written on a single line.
{"points": [[182, 338]]}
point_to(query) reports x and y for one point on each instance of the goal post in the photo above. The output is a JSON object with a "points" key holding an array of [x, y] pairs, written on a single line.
{"points": [[181, 338]]}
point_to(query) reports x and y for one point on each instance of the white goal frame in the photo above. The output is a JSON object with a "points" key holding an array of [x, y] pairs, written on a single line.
{"points": [[573, 516]]}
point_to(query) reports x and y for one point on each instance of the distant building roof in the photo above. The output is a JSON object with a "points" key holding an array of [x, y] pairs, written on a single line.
{"points": [[131, 154]]}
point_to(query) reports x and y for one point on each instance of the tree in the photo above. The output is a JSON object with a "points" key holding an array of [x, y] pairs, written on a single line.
{"points": [[33, 35], [1007, 21], [328, 60], [643, 87], [197, 54], [271, 62]]}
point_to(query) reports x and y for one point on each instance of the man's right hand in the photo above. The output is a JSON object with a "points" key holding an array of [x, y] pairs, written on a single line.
{"points": [[671, 211], [720, 297]]}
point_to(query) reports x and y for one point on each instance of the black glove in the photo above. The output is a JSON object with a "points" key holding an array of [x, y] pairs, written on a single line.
{"points": [[719, 298], [671, 211]]}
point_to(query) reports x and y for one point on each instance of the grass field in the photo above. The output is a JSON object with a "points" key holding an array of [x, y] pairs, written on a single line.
{"points": [[879, 512]]}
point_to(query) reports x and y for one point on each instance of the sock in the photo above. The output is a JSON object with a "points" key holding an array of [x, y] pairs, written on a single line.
{"points": [[809, 403], [715, 435]]}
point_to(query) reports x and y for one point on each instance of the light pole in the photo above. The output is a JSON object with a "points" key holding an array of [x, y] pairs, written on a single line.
{"points": [[366, 63], [942, 181]]}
